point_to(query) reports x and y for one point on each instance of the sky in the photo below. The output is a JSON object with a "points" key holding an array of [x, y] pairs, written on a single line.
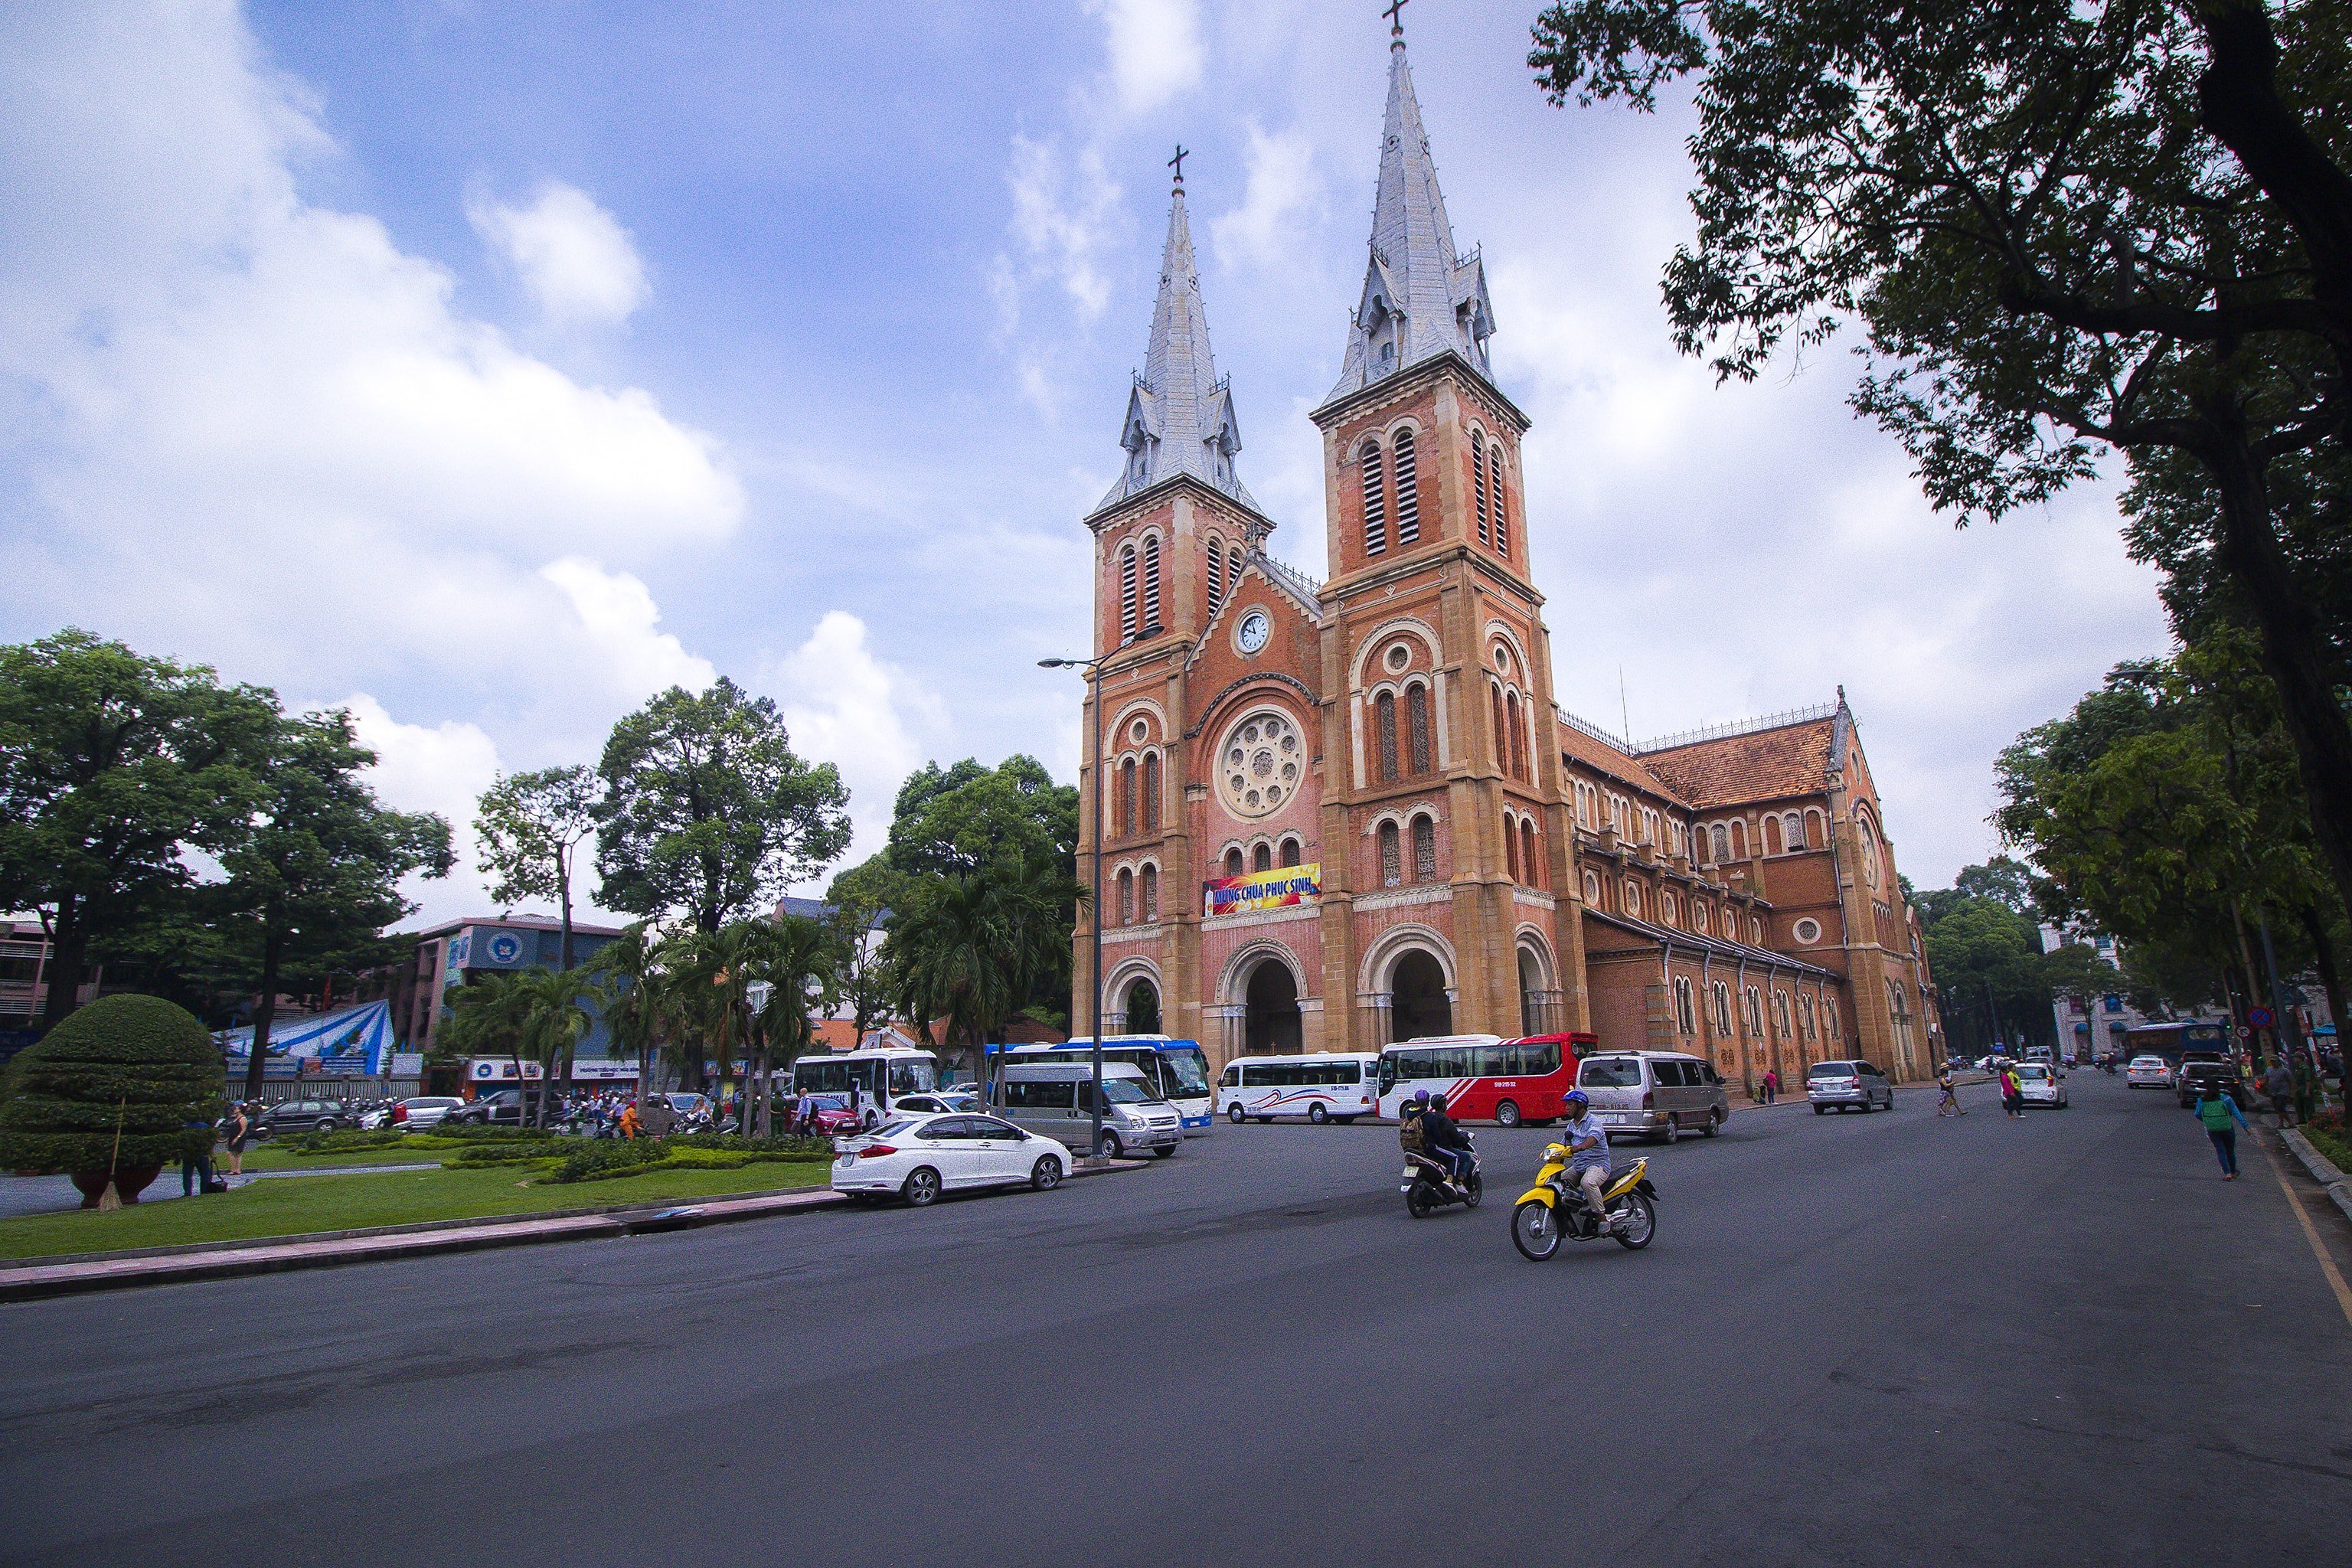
{"points": [[486, 368]]}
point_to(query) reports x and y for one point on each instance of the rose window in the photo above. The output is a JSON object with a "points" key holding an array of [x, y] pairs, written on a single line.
{"points": [[1259, 764]]}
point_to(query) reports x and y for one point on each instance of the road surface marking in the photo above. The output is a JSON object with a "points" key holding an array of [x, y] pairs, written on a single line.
{"points": [[2311, 1235]]}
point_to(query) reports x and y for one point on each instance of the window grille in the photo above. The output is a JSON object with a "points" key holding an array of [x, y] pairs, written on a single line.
{"points": [[1376, 519], [1408, 490]]}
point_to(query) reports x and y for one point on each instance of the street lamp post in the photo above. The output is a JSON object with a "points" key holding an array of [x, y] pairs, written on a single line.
{"points": [[1093, 667]]}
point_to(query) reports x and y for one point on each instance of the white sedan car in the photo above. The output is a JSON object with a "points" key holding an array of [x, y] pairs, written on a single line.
{"points": [[2148, 1072], [2038, 1083], [919, 1157]]}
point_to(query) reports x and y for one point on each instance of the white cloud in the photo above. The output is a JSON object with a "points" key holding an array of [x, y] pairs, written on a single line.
{"points": [[440, 768], [574, 257], [868, 718], [1279, 203], [621, 620], [1155, 49], [1062, 208]]}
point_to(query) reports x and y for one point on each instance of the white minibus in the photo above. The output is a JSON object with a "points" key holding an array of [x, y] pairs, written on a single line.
{"points": [[1328, 1086]]}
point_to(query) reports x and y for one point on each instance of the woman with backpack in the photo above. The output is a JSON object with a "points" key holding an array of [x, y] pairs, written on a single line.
{"points": [[2217, 1112]]}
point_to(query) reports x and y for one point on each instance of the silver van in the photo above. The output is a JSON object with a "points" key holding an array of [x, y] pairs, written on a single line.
{"points": [[1654, 1094], [1055, 1099]]}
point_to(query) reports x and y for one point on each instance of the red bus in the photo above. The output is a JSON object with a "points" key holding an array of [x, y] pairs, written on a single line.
{"points": [[1485, 1077]]}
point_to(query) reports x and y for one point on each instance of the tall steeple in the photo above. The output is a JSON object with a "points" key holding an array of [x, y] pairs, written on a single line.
{"points": [[1420, 297], [1180, 416]]}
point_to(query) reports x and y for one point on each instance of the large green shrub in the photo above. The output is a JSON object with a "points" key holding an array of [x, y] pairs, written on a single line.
{"points": [[141, 1057]]}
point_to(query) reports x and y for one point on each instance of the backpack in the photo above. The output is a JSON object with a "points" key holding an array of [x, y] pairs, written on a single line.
{"points": [[1410, 1136]]}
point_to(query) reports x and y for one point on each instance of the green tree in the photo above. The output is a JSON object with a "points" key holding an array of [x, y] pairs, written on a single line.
{"points": [[708, 812], [806, 961], [2064, 227], [529, 828], [968, 946], [317, 867], [634, 969], [557, 1010], [115, 1086], [112, 763]]}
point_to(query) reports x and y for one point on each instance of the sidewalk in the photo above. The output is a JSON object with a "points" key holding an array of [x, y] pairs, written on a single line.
{"points": [[73, 1275]]}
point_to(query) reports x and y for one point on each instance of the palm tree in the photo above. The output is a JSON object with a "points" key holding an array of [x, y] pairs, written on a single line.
{"points": [[555, 1013], [804, 960], [634, 970], [970, 944]]}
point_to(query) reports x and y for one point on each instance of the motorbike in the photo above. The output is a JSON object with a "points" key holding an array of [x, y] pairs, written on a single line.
{"points": [[1554, 1209], [1428, 1187]]}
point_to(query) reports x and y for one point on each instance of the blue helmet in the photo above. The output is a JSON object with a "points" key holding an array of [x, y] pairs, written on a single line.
{"points": [[1420, 1096], [1578, 1097]]}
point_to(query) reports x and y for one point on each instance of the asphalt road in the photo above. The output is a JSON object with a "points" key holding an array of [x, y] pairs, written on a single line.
{"points": [[1867, 1340]]}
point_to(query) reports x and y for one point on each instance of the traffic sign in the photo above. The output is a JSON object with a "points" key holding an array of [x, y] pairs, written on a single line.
{"points": [[2259, 1018], [2244, 1033]]}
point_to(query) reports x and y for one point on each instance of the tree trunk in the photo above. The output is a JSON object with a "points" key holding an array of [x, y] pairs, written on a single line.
{"points": [[69, 944], [2253, 978], [2292, 650], [265, 1010], [2323, 949], [563, 903]]}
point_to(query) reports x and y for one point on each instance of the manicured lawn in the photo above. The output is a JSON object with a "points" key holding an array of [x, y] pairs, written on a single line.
{"points": [[289, 1206], [281, 1157]]}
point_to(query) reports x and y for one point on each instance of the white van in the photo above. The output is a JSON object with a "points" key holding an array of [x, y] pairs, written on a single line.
{"points": [[1328, 1086], [1656, 1094], [1055, 1099]]}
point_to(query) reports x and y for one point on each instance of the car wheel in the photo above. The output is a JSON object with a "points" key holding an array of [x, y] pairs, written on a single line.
{"points": [[1672, 1130], [1110, 1148], [1233, 1114], [1714, 1123], [1317, 1115], [1821, 1110], [1506, 1114], [1166, 1151], [1046, 1175], [921, 1188]]}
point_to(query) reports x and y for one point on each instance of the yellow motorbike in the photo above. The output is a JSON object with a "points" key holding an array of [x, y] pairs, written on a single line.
{"points": [[1554, 1209]]}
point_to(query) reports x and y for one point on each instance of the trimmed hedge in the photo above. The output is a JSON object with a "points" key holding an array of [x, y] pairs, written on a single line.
{"points": [[609, 1159], [141, 1057]]}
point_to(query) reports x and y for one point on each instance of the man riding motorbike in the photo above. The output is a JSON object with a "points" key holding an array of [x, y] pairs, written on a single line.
{"points": [[1443, 1140], [1588, 1150]]}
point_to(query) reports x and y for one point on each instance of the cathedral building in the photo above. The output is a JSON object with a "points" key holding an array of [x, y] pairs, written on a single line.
{"points": [[1349, 813]]}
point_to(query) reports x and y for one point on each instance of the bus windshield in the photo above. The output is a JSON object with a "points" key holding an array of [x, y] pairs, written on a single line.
{"points": [[1183, 1073]]}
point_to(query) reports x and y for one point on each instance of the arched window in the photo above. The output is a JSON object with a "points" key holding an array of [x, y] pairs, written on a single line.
{"points": [[1216, 575], [1632, 898], [1511, 846], [1792, 831], [1385, 736], [1261, 858], [1478, 489], [1592, 890], [1151, 894], [1408, 490], [1816, 831], [1683, 1012], [1833, 1018], [1424, 850], [1721, 1001], [1126, 593], [1290, 852], [1780, 1014], [1235, 865], [1150, 819], [1529, 864], [1417, 710], [1151, 583], [1501, 521], [1518, 736], [1771, 835], [1123, 820], [1751, 1007], [1376, 509], [1502, 730], [1805, 1015], [1233, 570], [1392, 872], [1740, 841], [1722, 842], [1125, 896]]}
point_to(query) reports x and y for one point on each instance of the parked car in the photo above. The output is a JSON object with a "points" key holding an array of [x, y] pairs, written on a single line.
{"points": [[939, 1104], [304, 1116], [833, 1113], [2039, 1083], [1654, 1094], [1055, 1100], [1849, 1086], [500, 1107], [2189, 1083], [919, 1157], [2148, 1072], [419, 1111]]}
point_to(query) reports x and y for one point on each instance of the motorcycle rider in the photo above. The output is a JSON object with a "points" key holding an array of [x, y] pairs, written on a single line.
{"points": [[1444, 1141], [1588, 1154]]}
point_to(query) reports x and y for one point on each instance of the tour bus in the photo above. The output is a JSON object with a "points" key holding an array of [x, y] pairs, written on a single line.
{"points": [[1177, 1070], [1483, 1077], [880, 1074], [1328, 1086]]}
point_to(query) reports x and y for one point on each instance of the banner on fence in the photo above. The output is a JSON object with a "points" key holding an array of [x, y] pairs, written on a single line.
{"points": [[1275, 889], [350, 1042]]}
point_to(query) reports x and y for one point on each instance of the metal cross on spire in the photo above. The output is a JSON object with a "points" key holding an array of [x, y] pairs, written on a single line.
{"points": [[1395, 14], [1177, 164]]}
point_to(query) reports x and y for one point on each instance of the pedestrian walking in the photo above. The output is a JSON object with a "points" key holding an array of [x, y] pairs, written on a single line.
{"points": [[240, 1128], [2217, 1112], [2307, 1089], [1771, 1085], [2012, 1097], [2279, 1084], [1947, 1103]]}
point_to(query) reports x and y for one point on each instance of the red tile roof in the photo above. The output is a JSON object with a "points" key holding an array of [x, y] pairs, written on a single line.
{"points": [[1605, 759], [1769, 765]]}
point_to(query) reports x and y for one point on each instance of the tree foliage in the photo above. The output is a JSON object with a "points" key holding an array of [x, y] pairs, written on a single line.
{"points": [[529, 827], [708, 811], [968, 946], [138, 1064]]}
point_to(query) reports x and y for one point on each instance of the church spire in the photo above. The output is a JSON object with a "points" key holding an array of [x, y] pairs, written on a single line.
{"points": [[1180, 416], [1420, 297]]}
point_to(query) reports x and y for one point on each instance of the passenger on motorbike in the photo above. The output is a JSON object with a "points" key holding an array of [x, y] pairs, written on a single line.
{"points": [[1588, 1153], [1444, 1141]]}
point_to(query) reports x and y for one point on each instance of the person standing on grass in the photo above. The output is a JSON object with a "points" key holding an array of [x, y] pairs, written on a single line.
{"points": [[2012, 1097], [240, 1128], [2279, 1084], [2217, 1112]]}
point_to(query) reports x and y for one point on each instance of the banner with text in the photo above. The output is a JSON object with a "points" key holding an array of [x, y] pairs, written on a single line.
{"points": [[1277, 890]]}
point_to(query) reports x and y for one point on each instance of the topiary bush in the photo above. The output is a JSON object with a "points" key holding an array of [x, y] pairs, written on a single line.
{"points": [[149, 1058]]}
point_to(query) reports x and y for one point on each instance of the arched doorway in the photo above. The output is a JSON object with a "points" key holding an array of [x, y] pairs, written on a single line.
{"points": [[1272, 1026], [1143, 1008], [1531, 989], [1418, 1006]]}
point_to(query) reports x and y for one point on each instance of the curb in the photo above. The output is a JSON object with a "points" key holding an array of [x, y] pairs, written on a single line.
{"points": [[32, 1281], [2321, 1169]]}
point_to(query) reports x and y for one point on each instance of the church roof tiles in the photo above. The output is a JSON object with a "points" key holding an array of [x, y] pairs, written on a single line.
{"points": [[1766, 765]]}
